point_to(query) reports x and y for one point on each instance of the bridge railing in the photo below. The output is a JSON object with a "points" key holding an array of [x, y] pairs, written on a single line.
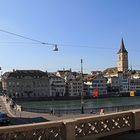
{"points": [[92, 127], [104, 125], [40, 131]]}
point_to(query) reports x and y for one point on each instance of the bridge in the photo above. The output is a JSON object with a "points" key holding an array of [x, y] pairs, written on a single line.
{"points": [[85, 128]]}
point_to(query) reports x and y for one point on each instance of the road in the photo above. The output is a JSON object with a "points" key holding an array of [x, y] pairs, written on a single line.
{"points": [[23, 117]]}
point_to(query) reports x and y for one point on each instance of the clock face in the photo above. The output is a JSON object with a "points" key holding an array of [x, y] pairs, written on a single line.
{"points": [[125, 55], [119, 57]]}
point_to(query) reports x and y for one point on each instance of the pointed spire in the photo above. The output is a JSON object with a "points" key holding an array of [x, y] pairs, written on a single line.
{"points": [[122, 47]]}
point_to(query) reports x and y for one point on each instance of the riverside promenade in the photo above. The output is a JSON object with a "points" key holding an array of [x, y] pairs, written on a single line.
{"points": [[23, 117]]}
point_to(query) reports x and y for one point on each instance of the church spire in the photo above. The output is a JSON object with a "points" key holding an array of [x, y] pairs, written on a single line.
{"points": [[122, 62], [122, 47]]}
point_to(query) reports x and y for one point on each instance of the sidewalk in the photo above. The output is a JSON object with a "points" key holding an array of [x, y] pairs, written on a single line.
{"points": [[23, 115]]}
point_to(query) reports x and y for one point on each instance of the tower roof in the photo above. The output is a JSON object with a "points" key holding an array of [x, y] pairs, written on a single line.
{"points": [[122, 47]]}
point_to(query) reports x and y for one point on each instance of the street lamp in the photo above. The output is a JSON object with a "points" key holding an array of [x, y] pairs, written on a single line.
{"points": [[82, 102], [31, 39], [55, 48]]}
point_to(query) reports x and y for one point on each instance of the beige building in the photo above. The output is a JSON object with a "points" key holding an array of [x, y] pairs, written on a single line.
{"points": [[26, 83], [122, 58], [75, 87], [57, 85], [74, 84]]}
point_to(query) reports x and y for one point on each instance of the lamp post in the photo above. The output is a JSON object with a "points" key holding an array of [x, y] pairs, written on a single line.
{"points": [[82, 102]]}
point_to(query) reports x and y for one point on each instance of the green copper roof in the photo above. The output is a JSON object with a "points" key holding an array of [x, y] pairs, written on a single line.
{"points": [[122, 48]]}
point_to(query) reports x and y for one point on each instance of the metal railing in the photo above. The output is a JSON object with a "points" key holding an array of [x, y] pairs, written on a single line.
{"points": [[86, 110]]}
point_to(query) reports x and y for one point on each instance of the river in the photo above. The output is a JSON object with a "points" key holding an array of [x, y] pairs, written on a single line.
{"points": [[76, 104]]}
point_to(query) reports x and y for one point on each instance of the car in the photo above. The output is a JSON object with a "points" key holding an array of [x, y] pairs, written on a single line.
{"points": [[4, 119]]}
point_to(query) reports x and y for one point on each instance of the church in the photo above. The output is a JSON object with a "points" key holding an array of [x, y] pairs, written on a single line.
{"points": [[122, 62]]}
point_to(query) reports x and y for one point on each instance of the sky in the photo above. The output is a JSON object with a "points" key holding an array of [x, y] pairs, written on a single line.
{"points": [[83, 29]]}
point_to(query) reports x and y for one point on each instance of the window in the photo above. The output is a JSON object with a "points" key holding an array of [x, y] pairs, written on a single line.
{"points": [[9, 83]]}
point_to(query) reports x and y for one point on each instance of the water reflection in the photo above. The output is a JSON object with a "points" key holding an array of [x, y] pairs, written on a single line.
{"points": [[88, 103]]}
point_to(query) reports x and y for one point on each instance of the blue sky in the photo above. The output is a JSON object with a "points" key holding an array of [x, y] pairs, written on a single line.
{"points": [[87, 29]]}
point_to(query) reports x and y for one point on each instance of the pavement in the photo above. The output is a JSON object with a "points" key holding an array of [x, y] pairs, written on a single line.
{"points": [[23, 117]]}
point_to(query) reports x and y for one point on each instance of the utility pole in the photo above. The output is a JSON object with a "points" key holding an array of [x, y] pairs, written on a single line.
{"points": [[82, 101]]}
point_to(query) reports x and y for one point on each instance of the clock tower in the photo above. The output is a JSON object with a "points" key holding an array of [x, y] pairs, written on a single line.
{"points": [[122, 62]]}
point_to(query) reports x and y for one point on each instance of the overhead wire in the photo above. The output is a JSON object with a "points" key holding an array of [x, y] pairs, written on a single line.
{"points": [[31, 39], [46, 43]]}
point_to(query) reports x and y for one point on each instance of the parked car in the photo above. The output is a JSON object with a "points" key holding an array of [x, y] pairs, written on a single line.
{"points": [[4, 119]]}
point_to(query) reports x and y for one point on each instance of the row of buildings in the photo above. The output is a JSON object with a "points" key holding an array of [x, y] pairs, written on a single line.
{"points": [[36, 83]]}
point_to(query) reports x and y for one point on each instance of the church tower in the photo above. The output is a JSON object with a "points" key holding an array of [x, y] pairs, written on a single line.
{"points": [[122, 62]]}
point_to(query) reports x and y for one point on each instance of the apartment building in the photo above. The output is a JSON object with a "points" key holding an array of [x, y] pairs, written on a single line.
{"points": [[57, 85], [26, 83], [92, 82]]}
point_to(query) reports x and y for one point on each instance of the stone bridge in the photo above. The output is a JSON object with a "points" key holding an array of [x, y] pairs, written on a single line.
{"points": [[87, 128]]}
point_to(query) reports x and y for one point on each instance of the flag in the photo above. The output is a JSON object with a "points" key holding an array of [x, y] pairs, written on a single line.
{"points": [[132, 93], [95, 92]]}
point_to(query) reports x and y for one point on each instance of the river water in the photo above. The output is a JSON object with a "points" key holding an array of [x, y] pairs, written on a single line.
{"points": [[76, 104]]}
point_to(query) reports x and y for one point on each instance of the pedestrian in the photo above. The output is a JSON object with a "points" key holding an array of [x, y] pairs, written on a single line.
{"points": [[51, 111], [102, 111]]}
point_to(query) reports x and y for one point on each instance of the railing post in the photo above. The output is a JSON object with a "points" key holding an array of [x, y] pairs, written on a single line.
{"points": [[136, 120], [70, 129]]}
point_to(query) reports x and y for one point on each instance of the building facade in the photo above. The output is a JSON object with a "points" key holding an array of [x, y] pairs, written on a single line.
{"points": [[96, 81], [113, 84], [100, 82], [135, 85], [74, 84], [26, 84], [57, 85], [123, 81]]}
